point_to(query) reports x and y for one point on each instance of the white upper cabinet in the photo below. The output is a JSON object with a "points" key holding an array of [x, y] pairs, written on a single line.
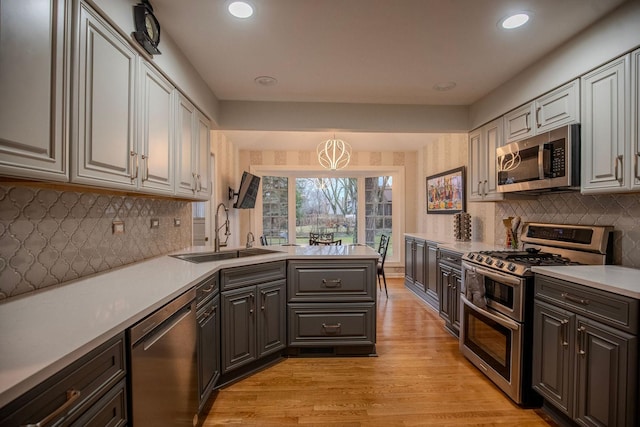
{"points": [[606, 145], [635, 117], [186, 148], [192, 151], [204, 157], [34, 83], [104, 139], [156, 118], [482, 181], [558, 107]]}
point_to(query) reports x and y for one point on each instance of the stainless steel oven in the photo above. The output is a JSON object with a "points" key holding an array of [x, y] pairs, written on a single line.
{"points": [[493, 337]]}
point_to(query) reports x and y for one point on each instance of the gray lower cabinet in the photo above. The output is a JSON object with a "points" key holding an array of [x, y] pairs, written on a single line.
{"points": [[449, 285], [253, 313], [421, 258], [585, 351], [208, 336], [332, 304], [89, 392]]}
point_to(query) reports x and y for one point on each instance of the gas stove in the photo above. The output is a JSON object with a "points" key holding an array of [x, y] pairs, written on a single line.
{"points": [[549, 245]]}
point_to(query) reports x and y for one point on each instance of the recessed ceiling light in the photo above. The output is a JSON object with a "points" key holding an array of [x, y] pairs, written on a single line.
{"points": [[265, 81], [444, 86], [240, 9], [514, 21]]}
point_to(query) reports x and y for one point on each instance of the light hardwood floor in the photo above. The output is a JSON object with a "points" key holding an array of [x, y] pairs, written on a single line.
{"points": [[418, 378]]}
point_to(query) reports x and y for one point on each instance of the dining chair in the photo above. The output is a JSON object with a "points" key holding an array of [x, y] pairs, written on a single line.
{"points": [[328, 242], [382, 250]]}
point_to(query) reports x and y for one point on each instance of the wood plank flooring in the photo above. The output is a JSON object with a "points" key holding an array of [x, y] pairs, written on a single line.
{"points": [[418, 378]]}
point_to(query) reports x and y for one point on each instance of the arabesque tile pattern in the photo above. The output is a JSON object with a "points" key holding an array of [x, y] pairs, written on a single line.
{"points": [[49, 237], [622, 211]]}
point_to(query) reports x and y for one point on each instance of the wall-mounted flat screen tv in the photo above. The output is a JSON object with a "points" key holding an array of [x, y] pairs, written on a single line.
{"points": [[248, 191]]}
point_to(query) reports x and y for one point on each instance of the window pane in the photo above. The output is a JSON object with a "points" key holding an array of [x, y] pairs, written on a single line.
{"points": [[275, 218], [328, 206], [378, 194]]}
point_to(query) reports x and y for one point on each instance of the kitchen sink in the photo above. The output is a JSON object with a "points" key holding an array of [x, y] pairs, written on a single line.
{"points": [[199, 257]]}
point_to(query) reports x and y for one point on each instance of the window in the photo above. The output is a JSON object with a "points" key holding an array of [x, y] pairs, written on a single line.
{"points": [[275, 215], [356, 206]]}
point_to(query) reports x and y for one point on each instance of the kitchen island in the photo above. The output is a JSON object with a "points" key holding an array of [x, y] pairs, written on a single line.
{"points": [[43, 332]]}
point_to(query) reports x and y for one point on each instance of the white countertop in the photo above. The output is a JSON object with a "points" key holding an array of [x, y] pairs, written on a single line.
{"points": [[458, 246], [44, 331], [612, 278]]}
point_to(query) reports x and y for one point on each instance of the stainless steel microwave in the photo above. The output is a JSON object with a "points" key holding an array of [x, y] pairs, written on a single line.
{"points": [[548, 161]]}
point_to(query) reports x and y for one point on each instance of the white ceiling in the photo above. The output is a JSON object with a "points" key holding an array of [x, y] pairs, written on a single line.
{"points": [[367, 51]]}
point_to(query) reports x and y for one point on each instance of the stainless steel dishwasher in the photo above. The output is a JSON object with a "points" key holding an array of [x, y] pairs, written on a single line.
{"points": [[164, 375]]}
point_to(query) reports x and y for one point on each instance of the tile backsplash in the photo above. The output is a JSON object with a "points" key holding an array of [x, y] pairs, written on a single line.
{"points": [[622, 211], [49, 237]]}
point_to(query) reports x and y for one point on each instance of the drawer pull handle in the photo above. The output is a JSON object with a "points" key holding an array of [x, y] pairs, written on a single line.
{"points": [[332, 329], [207, 289], [581, 340], [336, 283], [563, 332], [72, 396], [575, 299]]}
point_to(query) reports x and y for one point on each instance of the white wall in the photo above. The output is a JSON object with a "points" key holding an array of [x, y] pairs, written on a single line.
{"points": [[616, 34]]}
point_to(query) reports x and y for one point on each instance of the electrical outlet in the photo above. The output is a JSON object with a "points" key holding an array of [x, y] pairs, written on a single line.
{"points": [[155, 223], [176, 222], [117, 227]]}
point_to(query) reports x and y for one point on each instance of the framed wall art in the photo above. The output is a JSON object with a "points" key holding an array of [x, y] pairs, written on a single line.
{"points": [[446, 192]]}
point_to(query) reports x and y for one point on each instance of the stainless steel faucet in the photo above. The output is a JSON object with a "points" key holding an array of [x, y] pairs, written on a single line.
{"points": [[250, 242], [227, 233]]}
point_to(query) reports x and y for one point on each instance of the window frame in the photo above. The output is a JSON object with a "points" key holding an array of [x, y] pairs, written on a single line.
{"points": [[359, 172]]}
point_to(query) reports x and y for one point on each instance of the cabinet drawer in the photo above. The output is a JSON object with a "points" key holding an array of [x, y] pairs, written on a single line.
{"points": [[91, 375], [110, 410], [341, 281], [615, 310], [237, 277], [206, 289], [331, 324]]}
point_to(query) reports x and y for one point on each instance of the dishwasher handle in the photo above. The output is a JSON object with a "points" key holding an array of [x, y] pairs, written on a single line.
{"points": [[150, 323]]}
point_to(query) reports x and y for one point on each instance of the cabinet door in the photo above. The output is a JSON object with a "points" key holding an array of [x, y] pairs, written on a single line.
{"points": [[208, 348], [456, 285], [238, 328], [558, 107], [553, 352], [34, 82], [156, 131], [605, 139], [444, 294], [635, 117], [272, 327], [432, 271], [518, 124], [493, 135], [477, 157], [104, 149], [408, 260], [606, 366], [185, 148], [203, 139], [420, 265]]}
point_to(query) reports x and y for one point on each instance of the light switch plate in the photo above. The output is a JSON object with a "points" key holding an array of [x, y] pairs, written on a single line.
{"points": [[155, 223], [117, 227]]}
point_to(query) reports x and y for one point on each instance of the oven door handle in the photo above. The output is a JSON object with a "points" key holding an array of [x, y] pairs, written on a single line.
{"points": [[501, 320], [497, 276]]}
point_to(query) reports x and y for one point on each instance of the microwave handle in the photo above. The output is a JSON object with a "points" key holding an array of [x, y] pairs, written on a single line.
{"points": [[541, 151]]}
